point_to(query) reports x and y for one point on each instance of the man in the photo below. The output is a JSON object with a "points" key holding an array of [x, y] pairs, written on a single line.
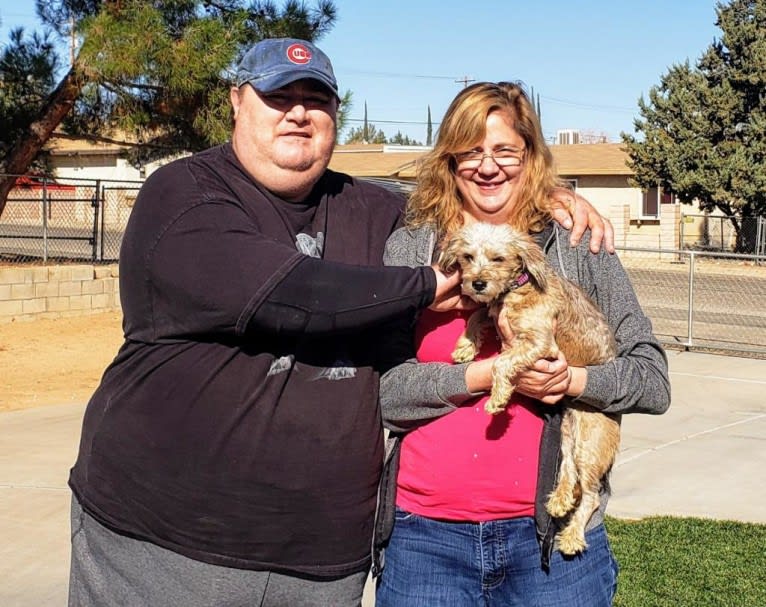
{"points": [[231, 454]]}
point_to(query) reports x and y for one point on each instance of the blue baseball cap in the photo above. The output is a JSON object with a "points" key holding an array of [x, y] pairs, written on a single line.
{"points": [[276, 62]]}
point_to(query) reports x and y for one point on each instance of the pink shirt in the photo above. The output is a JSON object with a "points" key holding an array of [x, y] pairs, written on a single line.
{"points": [[469, 465]]}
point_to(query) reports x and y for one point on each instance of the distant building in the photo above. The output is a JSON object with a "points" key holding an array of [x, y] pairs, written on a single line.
{"points": [[567, 137], [599, 172], [74, 158]]}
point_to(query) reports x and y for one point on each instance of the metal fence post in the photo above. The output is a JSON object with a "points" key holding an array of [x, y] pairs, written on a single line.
{"points": [[95, 205], [690, 318], [45, 202], [681, 232], [720, 234], [102, 194]]}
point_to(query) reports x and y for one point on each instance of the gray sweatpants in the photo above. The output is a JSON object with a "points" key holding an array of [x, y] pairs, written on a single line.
{"points": [[109, 569]]}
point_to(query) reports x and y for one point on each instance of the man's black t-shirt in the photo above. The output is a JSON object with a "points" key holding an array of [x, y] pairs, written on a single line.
{"points": [[239, 423]]}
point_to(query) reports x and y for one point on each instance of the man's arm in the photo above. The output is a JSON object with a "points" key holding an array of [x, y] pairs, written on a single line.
{"points": [[318, 297], [213, 272], [574, 212]]}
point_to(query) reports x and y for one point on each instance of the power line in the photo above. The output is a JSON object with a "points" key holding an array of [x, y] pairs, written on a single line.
{"points": [[393, 74], [412, 122], [588, 106], [465, 80]]}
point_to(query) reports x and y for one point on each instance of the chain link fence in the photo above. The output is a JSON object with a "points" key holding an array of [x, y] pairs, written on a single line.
{"points": [[48, 220], [702, 300], [695, 299], [717, 233]]}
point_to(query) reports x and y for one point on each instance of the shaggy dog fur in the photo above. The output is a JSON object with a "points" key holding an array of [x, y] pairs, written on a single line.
{"points": [[504, 269]]}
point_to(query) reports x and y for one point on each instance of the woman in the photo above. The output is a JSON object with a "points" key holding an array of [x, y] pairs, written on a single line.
{"points": [[470, 522]]}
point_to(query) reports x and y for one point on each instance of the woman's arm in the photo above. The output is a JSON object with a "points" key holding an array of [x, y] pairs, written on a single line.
{"points": [[411, 392], [636, 381]]}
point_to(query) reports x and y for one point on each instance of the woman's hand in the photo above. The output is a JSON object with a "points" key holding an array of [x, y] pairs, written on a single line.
{"points": [[547, 381], [574, 212], [551, 380]]}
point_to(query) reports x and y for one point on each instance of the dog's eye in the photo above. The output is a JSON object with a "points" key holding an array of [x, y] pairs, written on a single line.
{"points": [[468, 258], [498, 260]]}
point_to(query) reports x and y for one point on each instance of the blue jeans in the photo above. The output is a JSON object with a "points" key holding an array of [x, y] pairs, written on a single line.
{"points": [[431, 562]]}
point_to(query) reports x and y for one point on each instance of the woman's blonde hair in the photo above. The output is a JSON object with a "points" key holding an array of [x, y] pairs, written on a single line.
{"points": [[436, 199]]}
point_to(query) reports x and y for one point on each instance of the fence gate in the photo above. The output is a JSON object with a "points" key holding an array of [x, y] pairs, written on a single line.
{"points": [[68, 219], [115, 204]]}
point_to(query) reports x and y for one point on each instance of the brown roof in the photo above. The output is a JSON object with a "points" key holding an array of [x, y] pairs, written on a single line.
{"points": [[591, 159], [377, 160], [63, 145], [374, 160]]}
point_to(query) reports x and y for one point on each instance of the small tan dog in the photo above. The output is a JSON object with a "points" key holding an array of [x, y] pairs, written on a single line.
{"points": [[504, 269]]}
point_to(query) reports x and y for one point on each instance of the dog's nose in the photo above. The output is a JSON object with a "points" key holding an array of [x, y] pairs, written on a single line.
{"points": [[479, 285]]}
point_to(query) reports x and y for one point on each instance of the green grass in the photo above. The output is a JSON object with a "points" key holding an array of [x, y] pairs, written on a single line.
{"points": [[689, 562]]}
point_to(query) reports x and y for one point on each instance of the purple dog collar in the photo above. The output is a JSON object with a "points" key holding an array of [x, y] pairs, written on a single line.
{"points": [[522, 279]]}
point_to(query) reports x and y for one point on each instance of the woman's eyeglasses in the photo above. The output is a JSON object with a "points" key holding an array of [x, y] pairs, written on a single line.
{"points": [[504, 157]]}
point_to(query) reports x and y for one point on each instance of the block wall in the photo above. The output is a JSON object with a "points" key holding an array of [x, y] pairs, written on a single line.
{"points": [[29, 292]]}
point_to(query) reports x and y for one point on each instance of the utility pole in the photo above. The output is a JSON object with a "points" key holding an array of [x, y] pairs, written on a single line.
{"points": [[465, 80], [429, 130], [539, 114]]}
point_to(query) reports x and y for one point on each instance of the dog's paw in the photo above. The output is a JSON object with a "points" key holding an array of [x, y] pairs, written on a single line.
{"points": [[572, 541], [465, 351], [499, 397], [560, 503], [495, 406]]}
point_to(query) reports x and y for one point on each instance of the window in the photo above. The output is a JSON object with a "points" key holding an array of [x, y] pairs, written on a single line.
{"points": [[652, 200]]}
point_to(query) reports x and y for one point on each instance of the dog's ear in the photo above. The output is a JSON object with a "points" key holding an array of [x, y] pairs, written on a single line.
{"points": [[533, 258], [451, 247]]}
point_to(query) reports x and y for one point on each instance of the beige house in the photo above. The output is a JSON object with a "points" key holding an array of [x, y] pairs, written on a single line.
{"points": [[599, 172], [83, 159]]}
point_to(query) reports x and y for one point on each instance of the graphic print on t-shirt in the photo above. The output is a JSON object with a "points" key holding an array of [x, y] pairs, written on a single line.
{"points": [[307, 245], [340, 369], [281, 364]]}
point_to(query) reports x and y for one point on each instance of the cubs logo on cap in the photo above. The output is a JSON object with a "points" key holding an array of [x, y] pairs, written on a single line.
{"points": [[298, 53], [276, 62]]}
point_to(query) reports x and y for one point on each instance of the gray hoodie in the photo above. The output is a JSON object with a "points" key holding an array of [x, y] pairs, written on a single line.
{"points": [[414, 393]]}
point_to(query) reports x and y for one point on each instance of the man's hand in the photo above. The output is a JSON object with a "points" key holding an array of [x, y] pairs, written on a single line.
{"points": [[574, 212], [448, 294]]}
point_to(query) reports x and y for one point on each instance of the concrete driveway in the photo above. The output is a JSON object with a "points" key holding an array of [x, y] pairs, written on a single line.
{"points": [[704, 458]]}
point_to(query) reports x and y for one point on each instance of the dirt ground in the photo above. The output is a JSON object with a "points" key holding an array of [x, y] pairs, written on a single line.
{"points": [[50, 362]]}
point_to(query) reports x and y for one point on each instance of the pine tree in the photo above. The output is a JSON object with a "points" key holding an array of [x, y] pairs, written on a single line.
{"points": [[704, 127], [400, 139], [366, 133], [157, 73]]}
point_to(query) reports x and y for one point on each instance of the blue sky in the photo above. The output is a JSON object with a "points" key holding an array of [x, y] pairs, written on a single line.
{"points": [[589, 61]]}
